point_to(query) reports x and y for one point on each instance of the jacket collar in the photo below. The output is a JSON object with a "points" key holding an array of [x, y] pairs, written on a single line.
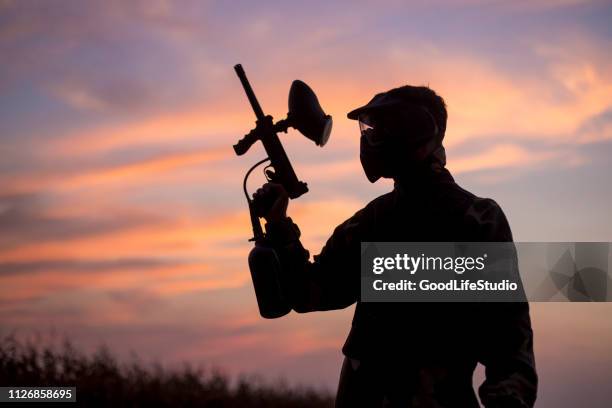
{"points": [[422, 179]]}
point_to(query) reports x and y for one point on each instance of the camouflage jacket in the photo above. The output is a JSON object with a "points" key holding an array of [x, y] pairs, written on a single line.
{"points": [[437, 345]]}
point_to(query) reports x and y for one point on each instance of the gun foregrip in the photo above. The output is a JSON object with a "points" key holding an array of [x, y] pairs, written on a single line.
{"points": [[245, 143]]}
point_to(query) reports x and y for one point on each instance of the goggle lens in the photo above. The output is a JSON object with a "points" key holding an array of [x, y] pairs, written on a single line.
{"points": [[366, 128]]}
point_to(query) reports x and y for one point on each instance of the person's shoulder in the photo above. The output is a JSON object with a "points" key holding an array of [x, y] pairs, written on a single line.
{"points": [[482, 214], [488, 216], [365, 217], [381, 201], [485, 207], [470, 201], [452, 199]]}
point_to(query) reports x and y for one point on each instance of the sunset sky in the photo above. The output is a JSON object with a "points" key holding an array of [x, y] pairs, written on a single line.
{"points": [[122, 218]]}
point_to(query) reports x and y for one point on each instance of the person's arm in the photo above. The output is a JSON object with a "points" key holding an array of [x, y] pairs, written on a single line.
{"points": [[332, 279], [506, 348]]}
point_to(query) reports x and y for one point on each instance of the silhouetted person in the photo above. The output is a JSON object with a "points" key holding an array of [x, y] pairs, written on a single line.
{"points": [[410, 354]]}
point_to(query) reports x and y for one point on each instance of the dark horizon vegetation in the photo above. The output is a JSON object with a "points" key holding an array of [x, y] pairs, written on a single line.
{"points": [[101, 380]]}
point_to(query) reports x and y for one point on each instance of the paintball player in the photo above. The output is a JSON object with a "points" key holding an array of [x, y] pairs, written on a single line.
{"points": [[410, 354]]}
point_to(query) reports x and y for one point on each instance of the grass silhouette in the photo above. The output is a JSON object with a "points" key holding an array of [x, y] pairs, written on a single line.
{"points": [[102, 381]]}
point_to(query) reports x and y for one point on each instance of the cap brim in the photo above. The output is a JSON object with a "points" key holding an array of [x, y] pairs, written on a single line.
{"points": [[372, 106], [354, 114]]}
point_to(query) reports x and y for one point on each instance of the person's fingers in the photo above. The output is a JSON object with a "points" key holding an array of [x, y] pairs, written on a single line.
{"points": [[271, 189], [258, 193], [275, 187]]}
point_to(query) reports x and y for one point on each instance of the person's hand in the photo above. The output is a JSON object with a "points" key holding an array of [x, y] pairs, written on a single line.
{"points": [[271, 202]]}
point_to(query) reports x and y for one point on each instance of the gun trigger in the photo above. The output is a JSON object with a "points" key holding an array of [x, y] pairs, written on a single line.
{"points": [[270, 176]]}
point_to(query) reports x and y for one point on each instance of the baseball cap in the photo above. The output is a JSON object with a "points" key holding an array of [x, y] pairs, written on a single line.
{"points": [[398, 99]]}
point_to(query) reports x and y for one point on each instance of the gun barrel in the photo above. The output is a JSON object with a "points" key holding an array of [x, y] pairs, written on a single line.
{"points": [[249, 91]]}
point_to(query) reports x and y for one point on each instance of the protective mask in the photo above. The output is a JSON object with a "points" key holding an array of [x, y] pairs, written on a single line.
{"points": [[375, 160], [387, 159], [383, 155]]}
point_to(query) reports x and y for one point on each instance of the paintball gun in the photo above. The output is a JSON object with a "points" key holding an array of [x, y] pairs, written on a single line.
{"points": [[306, 115]]}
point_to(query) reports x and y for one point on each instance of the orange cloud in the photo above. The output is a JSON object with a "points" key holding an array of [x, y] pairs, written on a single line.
{"points": [[499, 156], [114, 175], [184, 236], [53, 280], [196, 123], [484, 101]]}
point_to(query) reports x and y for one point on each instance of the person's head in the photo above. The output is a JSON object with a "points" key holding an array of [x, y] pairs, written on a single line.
{"points": [[401, 130]]}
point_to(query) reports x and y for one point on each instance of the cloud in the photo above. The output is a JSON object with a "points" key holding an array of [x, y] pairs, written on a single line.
{"points": [[163, 279], [138, 235], [120, 95], [500, 156], [164, 257], [23, 220], [198, 122], [596, 128], [89, 266], [128, 173], [484, 99]]}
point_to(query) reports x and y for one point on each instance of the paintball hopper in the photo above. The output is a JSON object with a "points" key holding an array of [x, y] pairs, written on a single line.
{"points": [[306, 115]]}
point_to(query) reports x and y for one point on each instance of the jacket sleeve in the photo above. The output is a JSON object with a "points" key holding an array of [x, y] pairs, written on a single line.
{"points": [[506, 348], [332, 279]]}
